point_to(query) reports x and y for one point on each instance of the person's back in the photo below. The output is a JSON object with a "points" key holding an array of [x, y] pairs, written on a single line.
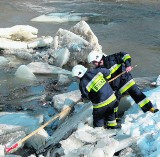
{"points": [[94, 87]]}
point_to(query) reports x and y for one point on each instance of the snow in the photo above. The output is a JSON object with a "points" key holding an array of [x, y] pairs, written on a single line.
{"points": [[138, 128], [144, 125]]}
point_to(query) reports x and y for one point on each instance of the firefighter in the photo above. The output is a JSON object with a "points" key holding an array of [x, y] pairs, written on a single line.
{"points": [[118, 63], [94, 87]]}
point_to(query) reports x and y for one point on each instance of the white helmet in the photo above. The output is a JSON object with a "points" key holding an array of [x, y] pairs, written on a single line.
{"points": [[95, 56], [79, 71]]}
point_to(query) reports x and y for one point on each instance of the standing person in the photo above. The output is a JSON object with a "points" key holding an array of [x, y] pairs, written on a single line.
{"points": [[118, 63], [94, 87]]}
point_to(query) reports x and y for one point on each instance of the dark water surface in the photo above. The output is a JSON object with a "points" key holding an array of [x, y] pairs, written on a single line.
{"points": [[133, 27]]}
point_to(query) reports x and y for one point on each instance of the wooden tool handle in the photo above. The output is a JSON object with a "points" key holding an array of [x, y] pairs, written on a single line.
{"points": [[120, 74], [51, 120]]}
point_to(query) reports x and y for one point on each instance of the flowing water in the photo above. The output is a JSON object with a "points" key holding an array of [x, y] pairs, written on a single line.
{"points": [[132, 26]]}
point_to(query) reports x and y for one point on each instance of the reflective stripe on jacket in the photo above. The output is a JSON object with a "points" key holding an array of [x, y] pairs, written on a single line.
{"points": [[117, 63], [96, 83], [94, 86], [106, 102]]}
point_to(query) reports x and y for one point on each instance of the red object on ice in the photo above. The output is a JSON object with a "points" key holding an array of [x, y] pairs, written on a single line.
{"points": [[10, 148]]}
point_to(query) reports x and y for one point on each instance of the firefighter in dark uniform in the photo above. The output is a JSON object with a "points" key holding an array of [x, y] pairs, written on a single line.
{"points": [[118, 63], [94, 87]]}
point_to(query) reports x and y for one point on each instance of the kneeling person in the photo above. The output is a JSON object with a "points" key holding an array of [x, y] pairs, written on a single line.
{"points": [[94, 87]]}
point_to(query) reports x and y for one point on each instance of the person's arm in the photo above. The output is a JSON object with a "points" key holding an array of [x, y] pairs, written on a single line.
{"points": [[106, 73], [125, 58], [84, 92]]}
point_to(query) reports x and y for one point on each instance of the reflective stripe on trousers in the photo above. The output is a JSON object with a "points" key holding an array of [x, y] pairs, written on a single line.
{"points": [[106, 102], [112, 123], [143, 102], [125, 87], [116, 109]]}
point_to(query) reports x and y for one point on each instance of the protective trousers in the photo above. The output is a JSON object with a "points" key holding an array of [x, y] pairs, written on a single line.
{"points": [[137, 95], [118, 96], [140, 99], [105, 116]]}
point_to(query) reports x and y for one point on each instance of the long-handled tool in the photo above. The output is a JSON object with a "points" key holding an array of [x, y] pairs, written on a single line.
{"points": [[120, 75], [9, 149]]}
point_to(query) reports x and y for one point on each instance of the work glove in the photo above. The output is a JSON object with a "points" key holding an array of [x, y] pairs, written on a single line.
{"points": [[153, 110]]}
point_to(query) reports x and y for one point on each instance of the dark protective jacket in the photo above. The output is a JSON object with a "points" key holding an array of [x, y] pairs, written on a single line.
{"points": [[94, 86], [117, 63]]}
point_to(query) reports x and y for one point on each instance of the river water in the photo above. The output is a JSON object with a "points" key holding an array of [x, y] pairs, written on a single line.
{"points": [[131, 26]]}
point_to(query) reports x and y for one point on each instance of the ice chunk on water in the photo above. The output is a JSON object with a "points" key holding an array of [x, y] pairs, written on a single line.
{"points": [[62, 56], [3, 61], [25, 73], [57, 17]]}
